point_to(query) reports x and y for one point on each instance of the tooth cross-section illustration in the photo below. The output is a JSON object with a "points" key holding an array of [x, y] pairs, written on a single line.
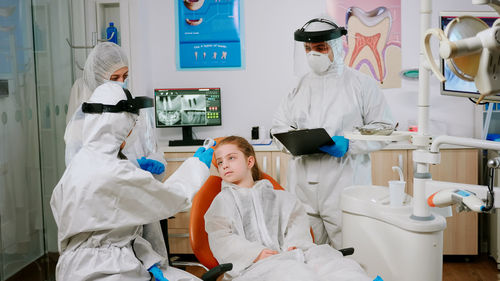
{"points": [[368, 34]]}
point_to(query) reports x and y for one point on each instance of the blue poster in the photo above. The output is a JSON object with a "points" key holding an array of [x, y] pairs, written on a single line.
{"points": [[209, 34], [14, 44]]}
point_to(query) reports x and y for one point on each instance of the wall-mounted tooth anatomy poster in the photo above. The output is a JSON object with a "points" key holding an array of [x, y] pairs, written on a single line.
{"points": [[373, 44], [209, 34]]}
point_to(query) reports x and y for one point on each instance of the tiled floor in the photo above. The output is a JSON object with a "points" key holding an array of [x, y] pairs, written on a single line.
{"points": [[42, 269], [475, 268]]}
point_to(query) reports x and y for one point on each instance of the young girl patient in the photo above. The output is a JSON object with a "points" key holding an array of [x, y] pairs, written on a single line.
{"points": [[263, 232]]}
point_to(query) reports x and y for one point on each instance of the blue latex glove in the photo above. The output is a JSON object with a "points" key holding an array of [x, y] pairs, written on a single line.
{"points": [[205, 155], [157, 274], [150, 165], [339, 149], [378, 278]]}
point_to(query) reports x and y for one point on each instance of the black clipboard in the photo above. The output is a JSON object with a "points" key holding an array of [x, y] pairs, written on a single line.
{"points": [[305, 141]]}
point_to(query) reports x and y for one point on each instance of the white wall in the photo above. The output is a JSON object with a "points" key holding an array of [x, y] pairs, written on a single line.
{"points": [[250, 95]]}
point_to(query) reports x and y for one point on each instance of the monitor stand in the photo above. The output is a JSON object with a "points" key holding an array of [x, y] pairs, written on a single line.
{"points": [[187, 138]]}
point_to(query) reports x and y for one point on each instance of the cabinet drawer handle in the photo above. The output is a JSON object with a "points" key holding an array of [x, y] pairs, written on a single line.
{"points": [[180, 159], [178, 235], [278, 173], [264, 164]]}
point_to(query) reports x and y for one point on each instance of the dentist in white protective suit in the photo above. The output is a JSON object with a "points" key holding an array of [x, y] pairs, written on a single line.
{"points": [[103, 200], [336, 98], [108, 63]]}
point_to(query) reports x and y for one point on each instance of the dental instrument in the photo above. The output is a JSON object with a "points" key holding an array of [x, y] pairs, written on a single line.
{"points": [[465, 199]]}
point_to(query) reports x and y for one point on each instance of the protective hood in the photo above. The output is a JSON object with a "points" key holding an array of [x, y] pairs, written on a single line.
{"points": [[105, 132], [141, 142], [104, 59]]}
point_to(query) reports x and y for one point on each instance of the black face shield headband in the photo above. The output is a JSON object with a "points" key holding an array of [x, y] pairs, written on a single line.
{"points": [[132, 105], [319, 36]]}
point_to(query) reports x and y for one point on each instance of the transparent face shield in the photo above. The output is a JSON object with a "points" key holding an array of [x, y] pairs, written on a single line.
{"points": [[142, 141], [318, 48]]}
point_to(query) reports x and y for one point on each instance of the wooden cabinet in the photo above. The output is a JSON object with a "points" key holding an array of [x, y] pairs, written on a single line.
{"points": [[280, 167], [457, 165], [178, 234], [274, 163], [175, 159]]}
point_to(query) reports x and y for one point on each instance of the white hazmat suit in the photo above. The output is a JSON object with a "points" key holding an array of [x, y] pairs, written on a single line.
{"points": [[101, 202], [102, 62], [337, 99], [241, 222]]}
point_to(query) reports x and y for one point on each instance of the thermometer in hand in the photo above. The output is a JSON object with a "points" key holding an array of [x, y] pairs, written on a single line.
{"points": [[208, 143]]}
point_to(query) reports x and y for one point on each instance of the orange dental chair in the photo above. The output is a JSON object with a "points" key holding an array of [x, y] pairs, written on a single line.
{"points": [[197, 235]]}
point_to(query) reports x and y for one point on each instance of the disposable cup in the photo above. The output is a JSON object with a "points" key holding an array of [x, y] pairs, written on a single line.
{"points": [[396, 193]]}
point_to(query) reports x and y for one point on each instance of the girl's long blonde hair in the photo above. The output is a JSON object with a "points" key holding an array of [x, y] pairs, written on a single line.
{"points": [[247, 149]]}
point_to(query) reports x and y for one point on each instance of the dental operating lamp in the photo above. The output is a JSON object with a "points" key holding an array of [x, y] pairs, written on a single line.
{"points": [[471, 49]]}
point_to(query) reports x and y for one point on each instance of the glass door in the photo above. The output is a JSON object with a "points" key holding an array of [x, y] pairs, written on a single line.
{"points": [[35, 82], [21, 221], [54, 79]]}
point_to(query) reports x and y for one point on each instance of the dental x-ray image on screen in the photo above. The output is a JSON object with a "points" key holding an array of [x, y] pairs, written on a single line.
{"points": [[187, 107], [179, 110]]}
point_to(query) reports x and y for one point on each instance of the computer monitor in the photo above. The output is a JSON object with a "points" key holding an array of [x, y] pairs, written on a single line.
{"points": [[187, 108], [454, 86]]}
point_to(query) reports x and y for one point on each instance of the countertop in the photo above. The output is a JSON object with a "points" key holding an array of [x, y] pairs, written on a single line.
{"points": [[402, 145]]}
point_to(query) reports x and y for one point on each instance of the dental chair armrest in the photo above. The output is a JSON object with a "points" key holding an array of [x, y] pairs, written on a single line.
{"points": [[217, 271], [188, 263], [347, 251]]}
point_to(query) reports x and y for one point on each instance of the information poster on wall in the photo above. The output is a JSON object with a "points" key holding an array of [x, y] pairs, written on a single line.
{"points": [[374, 37], [209, 34]]}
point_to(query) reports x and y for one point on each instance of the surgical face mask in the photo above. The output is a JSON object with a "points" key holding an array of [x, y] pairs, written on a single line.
{"points": [[318, 62], [123, 84]]}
